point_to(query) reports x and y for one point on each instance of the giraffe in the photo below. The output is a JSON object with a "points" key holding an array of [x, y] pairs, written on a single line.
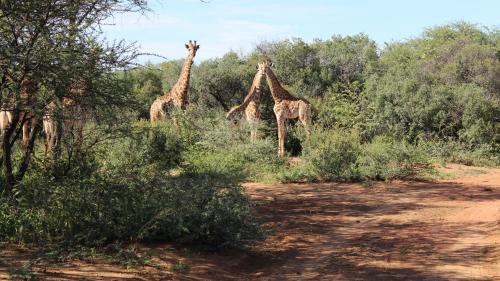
{"points": [[73, 114], [27, 97], [28, 90], [177, 96], [286, 106], [51, 127], [250, 105]]}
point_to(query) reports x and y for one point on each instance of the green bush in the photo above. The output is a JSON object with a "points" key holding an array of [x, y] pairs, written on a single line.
{"points": [[457, 152], [188, 211], [332, 154], [387, 158], [234, 159], [130, 195], [202, 212], [216, 146]]}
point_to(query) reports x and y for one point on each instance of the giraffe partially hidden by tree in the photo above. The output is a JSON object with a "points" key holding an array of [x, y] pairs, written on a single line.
{"points": [[74, 116], [177, 96], [27, 97], [286, 106], [51, 128], [250, 106]]}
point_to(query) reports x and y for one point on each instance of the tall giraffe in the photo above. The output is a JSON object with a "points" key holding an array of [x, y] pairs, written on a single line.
{"points": [[286, 106], [250, 105], [177, 96]]}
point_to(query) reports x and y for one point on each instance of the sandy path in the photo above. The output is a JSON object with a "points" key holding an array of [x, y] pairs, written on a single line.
{"points": [[444, 230]]}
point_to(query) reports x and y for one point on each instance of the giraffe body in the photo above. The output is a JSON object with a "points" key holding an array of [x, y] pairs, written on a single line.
{"points": [[177, 97], [250, 106], [286, 106]]}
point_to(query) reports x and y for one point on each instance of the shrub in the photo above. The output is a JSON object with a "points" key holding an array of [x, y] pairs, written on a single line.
{"points": [[202, 212], [217, 146], [457, 152], [130, 195], [387, 158], [332, 154]]}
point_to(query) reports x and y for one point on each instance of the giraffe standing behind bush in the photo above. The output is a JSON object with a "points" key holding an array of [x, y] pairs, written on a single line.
{"points": [[177, 96], [250, 106]]}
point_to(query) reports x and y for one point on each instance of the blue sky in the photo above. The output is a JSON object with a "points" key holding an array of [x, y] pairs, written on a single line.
{"points": [[238, 25]]}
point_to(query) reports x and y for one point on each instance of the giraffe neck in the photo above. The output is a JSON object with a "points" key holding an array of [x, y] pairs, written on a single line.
{"points": [[254, 93], [180, 88], [27, 95], [277, 91]]}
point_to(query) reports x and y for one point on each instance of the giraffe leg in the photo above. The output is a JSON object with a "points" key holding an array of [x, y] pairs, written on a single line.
{"points": [[281, 137], [5, 120], [48, 139], [26, 132], [56, 136], [46, 149], [253, 129], [253, 134], [34, 123], [78, 127], [51, 128], [305, 117], [155, 112]]}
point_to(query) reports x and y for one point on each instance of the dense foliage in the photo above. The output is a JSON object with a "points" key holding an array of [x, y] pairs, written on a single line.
{"points": [[126, 189]]}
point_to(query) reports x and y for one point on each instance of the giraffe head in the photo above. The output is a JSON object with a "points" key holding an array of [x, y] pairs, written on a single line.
{"points": [[234, 114], [28, 89], [265, 66], [261, 68], [192, 47]]}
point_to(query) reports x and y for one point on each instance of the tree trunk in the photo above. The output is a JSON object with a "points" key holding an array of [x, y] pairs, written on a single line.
{"points": [[27, 154], [7, 154]]}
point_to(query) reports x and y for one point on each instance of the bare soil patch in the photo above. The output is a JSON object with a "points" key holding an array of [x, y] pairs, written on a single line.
{"points": [[448, 229]]}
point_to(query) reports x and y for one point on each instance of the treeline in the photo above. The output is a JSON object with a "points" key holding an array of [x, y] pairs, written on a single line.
{"points": [[442, 86]]}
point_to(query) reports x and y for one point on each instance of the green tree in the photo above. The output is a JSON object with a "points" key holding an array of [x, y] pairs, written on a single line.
{"points": [[296, 65], [222, 82], [346, 63], [53, 44], [443, 85], [146, 85]]}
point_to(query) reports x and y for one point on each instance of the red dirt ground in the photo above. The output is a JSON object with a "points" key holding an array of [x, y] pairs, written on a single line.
{"points": [[441, 230]]}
